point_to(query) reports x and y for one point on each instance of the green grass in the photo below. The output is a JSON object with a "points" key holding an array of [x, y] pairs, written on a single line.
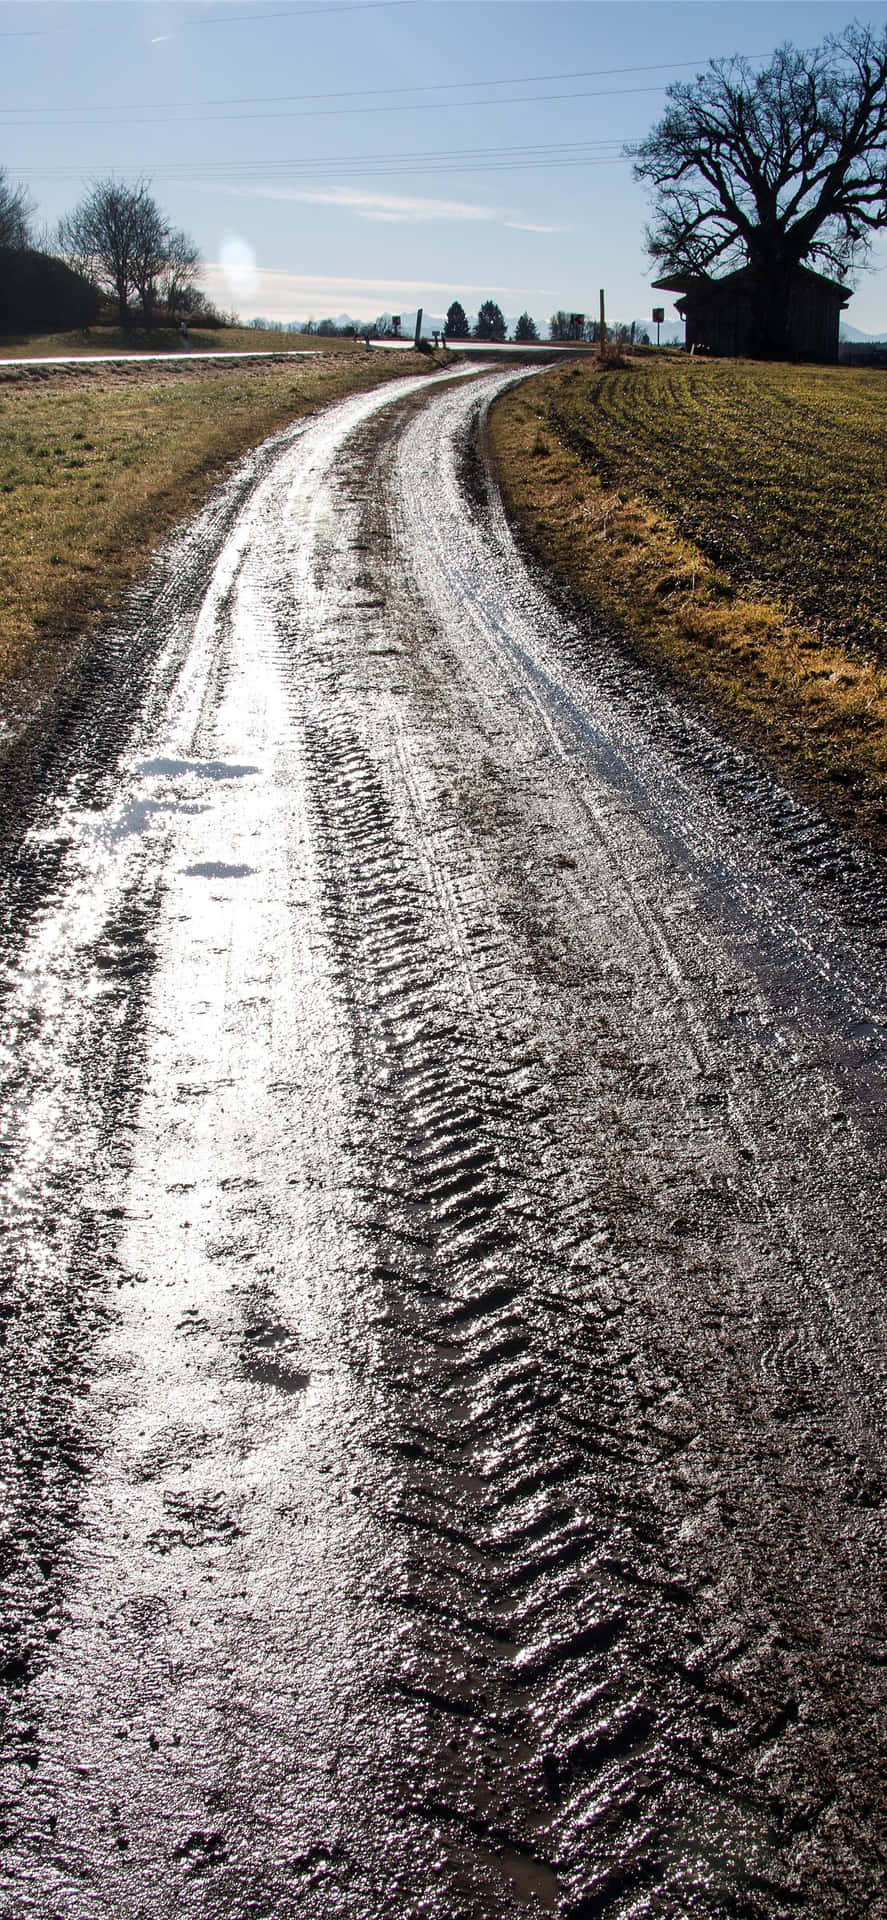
{"points": [[730, 520], [778, 473], [98, 340], [96, 465]]}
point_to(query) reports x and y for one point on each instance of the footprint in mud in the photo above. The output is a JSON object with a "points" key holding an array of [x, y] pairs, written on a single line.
{"points": [[268, 1359], [173, 1449], [192, 1321], [199, 1851], [318, 1863], [196, 1520], [269, 1371]]}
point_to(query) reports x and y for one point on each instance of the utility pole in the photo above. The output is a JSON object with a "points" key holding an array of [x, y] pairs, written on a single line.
{"points": [[603, 327]]}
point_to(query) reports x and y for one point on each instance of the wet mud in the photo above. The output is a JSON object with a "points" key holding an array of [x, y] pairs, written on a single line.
{"points": [[443, 1146]]}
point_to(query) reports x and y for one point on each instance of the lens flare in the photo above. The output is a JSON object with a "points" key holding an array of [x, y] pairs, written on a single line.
{"points": [[238, 264]]}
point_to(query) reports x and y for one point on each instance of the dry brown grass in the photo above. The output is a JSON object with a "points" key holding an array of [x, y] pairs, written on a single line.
{"points": [[101, 340], [815, 702], [95, 466]]}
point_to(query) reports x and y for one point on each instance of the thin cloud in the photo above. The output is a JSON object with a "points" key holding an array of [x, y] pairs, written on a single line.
{"points": [[307, 282], [393, 208], [531, 226], [282, 295]]}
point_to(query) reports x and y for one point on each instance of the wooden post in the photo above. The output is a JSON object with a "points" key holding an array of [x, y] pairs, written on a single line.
{"points": [[418, 327], [603, 327]]}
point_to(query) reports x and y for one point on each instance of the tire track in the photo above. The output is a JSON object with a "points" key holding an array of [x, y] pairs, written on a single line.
{"points": [[541, 1700]]}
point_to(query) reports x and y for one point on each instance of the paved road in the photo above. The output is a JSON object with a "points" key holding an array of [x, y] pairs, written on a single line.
{"points": [[443, 1149]]}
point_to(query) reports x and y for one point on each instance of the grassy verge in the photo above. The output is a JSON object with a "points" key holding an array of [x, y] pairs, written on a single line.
{"points": [[95, 469], [99, 340], [730, 521]]}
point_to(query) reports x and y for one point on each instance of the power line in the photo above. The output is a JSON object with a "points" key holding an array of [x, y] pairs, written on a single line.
{"points": [[354, 93], [403, 157], [421, 170], [333, 172], [431, 166], [336, 113], [293, 13], [215, 20]]}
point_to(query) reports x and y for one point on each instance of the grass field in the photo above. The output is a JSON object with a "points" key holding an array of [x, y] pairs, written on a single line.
{"points": [[96, 465], [98, 340], [731, 520]]}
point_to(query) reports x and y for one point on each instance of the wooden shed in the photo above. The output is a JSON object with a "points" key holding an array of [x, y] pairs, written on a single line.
{"points": [[724, 316]]}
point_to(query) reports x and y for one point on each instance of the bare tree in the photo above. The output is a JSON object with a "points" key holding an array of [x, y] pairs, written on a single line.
{"points": [[16, 210], [119, 239], [100, 238], [772, 169], [149, 255], [179, 267]]}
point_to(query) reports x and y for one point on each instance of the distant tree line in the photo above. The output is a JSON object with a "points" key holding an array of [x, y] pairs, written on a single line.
{"points": [[489, 325], [116, 249], [574, 326], [492, 325]]}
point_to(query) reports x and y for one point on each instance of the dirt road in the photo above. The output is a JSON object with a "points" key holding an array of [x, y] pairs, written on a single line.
{"points": [[443, 1138]]}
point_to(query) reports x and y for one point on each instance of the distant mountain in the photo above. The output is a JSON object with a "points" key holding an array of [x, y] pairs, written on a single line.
{"points": [[671, 332], [853, 336]]}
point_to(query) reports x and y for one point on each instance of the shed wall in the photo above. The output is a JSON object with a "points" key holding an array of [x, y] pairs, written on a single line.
{"points": [[721, 322]]}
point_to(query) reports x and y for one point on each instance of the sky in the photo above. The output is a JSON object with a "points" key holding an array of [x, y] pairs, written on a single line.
{"points": [[369, 157]]}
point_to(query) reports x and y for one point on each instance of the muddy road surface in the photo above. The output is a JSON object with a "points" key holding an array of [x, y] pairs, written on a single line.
{"points": [[443, 1246]]}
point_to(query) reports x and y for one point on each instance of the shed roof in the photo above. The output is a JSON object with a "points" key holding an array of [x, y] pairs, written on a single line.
{"points": [[706, 283]]}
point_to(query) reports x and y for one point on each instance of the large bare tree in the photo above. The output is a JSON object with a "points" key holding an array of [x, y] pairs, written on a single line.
{"points": [[772, 170]]}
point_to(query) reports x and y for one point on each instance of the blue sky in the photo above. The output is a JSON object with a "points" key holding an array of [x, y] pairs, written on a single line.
{"points": [[359, 158]]}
